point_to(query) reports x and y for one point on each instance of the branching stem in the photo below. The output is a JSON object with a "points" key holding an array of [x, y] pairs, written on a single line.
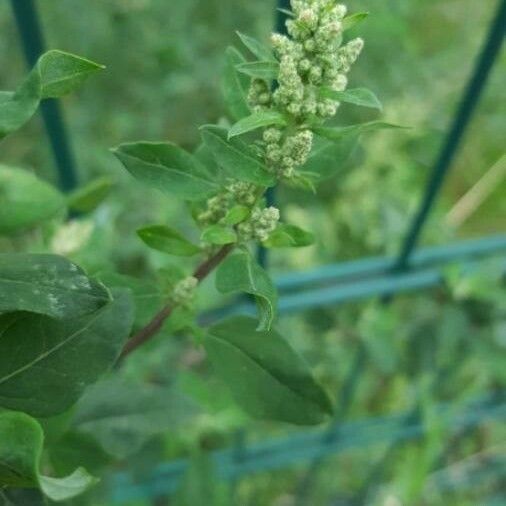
{"points": [[154, 326]]}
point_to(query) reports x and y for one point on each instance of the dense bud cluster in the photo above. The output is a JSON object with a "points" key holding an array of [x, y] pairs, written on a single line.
{"points": [[311, 57], [238, 192], [259, 225], [184, 291]]}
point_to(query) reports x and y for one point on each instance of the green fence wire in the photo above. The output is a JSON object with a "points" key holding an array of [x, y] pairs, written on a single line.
{"points": [[305, 446]]}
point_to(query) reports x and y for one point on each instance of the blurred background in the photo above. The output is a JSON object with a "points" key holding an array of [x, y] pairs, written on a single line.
{"points": [[410, 355]]}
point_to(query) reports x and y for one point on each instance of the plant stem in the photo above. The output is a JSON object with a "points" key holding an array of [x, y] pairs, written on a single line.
{"points": [[154, 326]]}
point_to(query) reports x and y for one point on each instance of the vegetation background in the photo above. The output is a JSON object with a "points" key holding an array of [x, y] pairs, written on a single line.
{"points": [[163, 79]]}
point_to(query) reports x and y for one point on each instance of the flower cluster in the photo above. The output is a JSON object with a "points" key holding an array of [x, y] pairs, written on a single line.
{"points": [[184, 291], [310, 58], [238, 192], [260, 224]]}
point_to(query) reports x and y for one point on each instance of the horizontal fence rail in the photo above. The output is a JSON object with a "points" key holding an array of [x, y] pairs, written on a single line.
{"points": [[303, 447], [371, 277]]}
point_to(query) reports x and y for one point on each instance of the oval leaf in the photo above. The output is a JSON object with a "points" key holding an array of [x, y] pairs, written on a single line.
{"points": [[256, 120], [235, 157], [289, 236], [354, 19], [267, 378], [25, 200], [260, 69], [122, 415], [49, 285], [240, 273], [168, 240], [21, 442], [336, 133], [357, 96], [261, 51], [218, 234], [167, 168], [329, 157], [55, 74], [234, 85], [88, 198], [46, 364]]}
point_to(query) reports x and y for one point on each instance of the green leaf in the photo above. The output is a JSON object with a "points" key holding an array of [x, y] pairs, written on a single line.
{"points": [[357, 96], [335, 133], [234, 85], [122, 415], [21, 439], [267, 378], [329, 157], [240, 273], [168, 240], [236, 214], [21, 442], [261, 51], [289, 236], [218, 234], [89, 197], [25, 200], [235, 157], [350, 21], [256, 120], [46, 364], [48, 284], [260, 69], [61, 72], [55, 74], [167, 168], [63, 489]]}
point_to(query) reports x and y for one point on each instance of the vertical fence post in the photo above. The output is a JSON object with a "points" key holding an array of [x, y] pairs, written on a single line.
{"points": [[271, 192], [464, 113], [25, 14]]}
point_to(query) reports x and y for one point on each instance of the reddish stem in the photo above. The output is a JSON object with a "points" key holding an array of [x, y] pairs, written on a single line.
{"points": [[154, 326]]}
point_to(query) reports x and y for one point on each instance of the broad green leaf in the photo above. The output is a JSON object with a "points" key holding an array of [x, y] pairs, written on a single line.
{"points": [[63, 489], [168, 240], [234, 85], [21, 439], [122, 415], [219, 234], [146, 293], [256, 120], [89, 197], [240, 273], [46, 364], [261, 51], [61, 73], [354, 19], [335, 133], [167, 168], [21, 443], [236, 214], [357, 96], [25, 200], [267, 378], [289, 236], [260, 69], [330, 157], [49, 285], [235, 157], [55, 74]]}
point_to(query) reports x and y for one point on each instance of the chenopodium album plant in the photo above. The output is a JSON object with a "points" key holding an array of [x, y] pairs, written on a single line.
{"points": [[61, 330]]}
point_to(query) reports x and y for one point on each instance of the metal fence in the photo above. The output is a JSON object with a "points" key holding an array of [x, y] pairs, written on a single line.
{"points": [[412, 269]]}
